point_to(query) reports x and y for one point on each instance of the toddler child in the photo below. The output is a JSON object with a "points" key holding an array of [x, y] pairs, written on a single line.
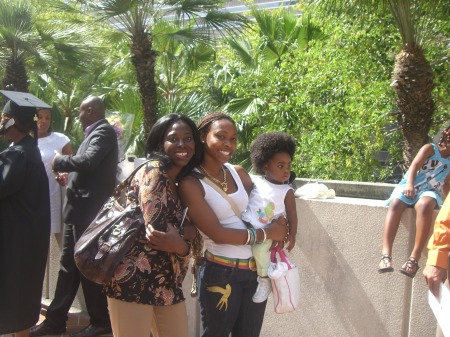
{"points": [[271, 197], [423, 186]]}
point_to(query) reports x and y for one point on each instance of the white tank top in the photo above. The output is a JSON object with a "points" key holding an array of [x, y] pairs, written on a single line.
{"points": [[227, 217]]}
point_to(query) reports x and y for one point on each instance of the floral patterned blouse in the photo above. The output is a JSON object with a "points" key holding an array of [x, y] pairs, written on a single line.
{"points": [[146, 275]]}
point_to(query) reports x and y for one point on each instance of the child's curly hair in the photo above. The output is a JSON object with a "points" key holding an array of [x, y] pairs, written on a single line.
{"points": [[445, 139], [265, 146]]}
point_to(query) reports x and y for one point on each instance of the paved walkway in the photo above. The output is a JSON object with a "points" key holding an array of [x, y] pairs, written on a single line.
{"points": [[77, 321]]}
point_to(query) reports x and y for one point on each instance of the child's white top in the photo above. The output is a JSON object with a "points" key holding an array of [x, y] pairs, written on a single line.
{"points": [[266, 202], [428, 182]]}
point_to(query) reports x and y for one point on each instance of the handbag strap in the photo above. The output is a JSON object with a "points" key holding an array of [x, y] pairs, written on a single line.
{"points": [[224, 195], [208, 181], [127, 181]]}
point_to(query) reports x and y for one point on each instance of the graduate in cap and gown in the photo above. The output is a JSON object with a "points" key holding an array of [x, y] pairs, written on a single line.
{"points": [[24, 216]]}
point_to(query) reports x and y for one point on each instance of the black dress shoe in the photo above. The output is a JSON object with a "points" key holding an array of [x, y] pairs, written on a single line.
{"points": [[44, 329], [92, 330]]}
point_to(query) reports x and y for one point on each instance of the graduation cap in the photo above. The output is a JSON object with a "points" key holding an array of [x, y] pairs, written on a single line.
{"points": [[23, 106]]}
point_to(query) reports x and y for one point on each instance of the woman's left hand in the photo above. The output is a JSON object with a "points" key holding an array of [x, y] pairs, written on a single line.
{"points": [[169, 241]]}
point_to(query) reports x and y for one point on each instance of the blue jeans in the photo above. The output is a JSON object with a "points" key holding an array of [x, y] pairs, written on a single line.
{"points": [[225, 296]]}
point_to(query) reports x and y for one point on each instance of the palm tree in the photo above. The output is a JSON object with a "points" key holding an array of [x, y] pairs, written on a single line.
{"points": [[141, 21], [31, 39], [180, 76], [412, 78], [15, 21]]}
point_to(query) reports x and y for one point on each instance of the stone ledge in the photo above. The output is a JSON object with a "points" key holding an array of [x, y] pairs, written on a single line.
{"points": [[378, 191]]}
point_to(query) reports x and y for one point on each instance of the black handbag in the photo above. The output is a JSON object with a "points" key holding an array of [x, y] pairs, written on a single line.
{"points": [[110, 236]]}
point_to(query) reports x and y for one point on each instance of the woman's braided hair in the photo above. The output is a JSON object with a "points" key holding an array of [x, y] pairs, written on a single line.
{"points": [[205, 122]]}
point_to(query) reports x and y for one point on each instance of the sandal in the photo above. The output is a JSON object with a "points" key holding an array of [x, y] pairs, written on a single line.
{"points": [[385, 264], [410, 267]]}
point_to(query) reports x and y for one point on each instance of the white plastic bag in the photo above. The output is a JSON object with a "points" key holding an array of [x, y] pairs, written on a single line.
{"points": [[314, 191]]}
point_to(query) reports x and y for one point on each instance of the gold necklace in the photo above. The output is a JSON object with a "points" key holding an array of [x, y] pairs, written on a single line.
{"points": [[172, 184], [223, 184]]}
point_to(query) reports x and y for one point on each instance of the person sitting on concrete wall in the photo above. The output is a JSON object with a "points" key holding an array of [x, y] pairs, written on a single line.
{"points": [[423, 186]]}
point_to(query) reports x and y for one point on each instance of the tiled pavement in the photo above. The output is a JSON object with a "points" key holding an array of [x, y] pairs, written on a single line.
{"points": [[77, 321]]}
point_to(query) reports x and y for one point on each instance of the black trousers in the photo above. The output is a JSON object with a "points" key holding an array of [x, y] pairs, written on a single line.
{"points": [[69, 279]]}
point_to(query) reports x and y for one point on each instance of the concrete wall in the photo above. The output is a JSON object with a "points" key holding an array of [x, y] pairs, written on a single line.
{"points": [[338, 249], [337, 252]]}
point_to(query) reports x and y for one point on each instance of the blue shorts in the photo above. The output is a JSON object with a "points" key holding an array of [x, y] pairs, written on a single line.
{"points": [[398, 194]]}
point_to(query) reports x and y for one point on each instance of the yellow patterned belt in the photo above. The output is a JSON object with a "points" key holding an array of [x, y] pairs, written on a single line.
{"points": [[230, 262]]}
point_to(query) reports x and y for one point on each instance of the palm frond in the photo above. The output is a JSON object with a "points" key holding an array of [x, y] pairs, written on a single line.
{"points": [[194, 105], [114, 8], [188, 9], [244, 105], [222, 23], [401, 10], [16, 24], [128, 108], [309, 32], [244, 50], [266, 22]]}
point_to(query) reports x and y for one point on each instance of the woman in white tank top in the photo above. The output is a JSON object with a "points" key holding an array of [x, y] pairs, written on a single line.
{"points": [[216, 194]]}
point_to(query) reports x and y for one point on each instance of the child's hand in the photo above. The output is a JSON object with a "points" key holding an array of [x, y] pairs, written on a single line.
{"points": [[409, 191], [290, 242], [277, 244]]}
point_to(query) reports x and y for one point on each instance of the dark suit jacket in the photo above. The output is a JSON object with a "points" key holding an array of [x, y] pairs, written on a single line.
{"points": [[93, 175]]}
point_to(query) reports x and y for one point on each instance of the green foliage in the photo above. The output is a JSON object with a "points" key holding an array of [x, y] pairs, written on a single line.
{"points": [[325, 82], [333, 98], [418, 23]]}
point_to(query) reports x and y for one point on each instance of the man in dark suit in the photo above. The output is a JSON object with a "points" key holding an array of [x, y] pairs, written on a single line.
{"points": [[92, 180]]}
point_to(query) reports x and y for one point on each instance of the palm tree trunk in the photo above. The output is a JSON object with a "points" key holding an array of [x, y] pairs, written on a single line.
{"points": [[15, 77], [144, 60], [413, 84]]}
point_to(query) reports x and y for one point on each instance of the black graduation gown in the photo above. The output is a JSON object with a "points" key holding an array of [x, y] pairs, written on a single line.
{"points": [[24, 234]]}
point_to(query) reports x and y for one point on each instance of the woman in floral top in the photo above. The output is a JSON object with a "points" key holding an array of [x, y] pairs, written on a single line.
{"points": [[145, 294]]}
